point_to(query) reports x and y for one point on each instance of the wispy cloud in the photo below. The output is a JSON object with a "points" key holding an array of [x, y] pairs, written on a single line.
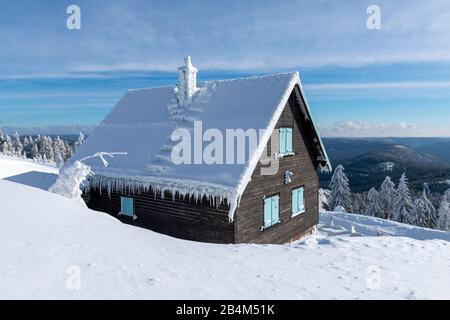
{"points": [[381, 85], [380, 129]]}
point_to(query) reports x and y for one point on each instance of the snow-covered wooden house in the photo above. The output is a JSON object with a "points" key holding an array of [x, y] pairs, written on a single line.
{"points": [[270, 196]]}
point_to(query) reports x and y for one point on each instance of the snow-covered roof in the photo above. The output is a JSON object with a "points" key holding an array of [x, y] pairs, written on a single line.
{"points": [[142, 122]]}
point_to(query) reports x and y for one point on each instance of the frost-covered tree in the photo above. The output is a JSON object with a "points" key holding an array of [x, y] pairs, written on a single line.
{"points": [[69, 180], [403, 202], [359, 203], [374, 208], [68, 150], [46, 149], [417, 211], [340, 190], [427, 217], [59, 149], [34, 152], [26, 146], [444, 213], [72, 176], [80, 140], [387, 198], [17, 145], [6, 145], [324, 200]]}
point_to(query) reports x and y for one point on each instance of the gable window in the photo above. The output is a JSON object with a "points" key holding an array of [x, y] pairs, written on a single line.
{"points": [[298, 201], [286, 141], [127, 207], [271, 211]]}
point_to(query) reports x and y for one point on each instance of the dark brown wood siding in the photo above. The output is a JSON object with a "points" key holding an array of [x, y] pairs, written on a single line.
{"points": [[181, 218], [250, 214]]}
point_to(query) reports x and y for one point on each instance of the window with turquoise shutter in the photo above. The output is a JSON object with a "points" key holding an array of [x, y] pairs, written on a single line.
{"points": [[271, 211], [127, 206], [286, 141], [298, 201]]}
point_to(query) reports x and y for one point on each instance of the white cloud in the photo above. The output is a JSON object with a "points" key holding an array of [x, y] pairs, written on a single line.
{"points": [[379, 129]]}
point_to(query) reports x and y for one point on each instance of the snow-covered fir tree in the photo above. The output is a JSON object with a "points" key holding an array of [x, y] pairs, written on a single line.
{"points": [[59, 149], [17, 146], [79, 141], [403, 202], [34, 152], [374, 208], [340, 190], [387, 198], [46, 149], [417, 211], [360, 203], [427, 217], [443, 222], [6, 145]]}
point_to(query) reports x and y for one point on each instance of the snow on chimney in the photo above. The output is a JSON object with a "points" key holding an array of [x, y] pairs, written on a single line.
{"points": [[188, 82]]}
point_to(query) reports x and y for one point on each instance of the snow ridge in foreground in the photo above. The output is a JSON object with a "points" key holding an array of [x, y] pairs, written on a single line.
{"points": [[45, 237]]}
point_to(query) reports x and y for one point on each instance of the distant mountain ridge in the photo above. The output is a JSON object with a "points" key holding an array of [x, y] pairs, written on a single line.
{"points": [[368, 161]]}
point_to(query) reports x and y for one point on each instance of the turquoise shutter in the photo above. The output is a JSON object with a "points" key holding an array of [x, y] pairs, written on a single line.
{"points": [[127, 206], [275, 209], [267, 212], [282, 140], [288, 140], [301, 200], [294, 201]]}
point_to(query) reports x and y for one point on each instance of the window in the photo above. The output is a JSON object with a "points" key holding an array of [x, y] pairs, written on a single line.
{"points": [[286, 141], [298, 201], [127, 206], [271, 211]]}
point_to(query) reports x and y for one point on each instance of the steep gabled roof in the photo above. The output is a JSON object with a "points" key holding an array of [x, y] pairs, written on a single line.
{"points": [[142, 122]]}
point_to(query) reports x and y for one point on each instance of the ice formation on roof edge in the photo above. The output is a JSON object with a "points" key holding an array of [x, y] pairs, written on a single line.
{"points": [[184, 188]]}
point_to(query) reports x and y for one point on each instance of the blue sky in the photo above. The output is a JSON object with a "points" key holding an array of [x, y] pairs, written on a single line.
{"points": [[359, 82]]}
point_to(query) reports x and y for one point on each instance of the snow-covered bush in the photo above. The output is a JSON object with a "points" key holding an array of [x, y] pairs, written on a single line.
{"points": [[69, 181]]}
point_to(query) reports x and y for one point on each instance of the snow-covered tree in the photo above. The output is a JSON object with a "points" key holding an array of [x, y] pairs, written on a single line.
{"points": [[359, 203], [34, 152], [374, 208], [17, 146], [444, 213], [417, 211], [80, 140], [340, 190], [427, 217], [46, 149], [387, 198], [26, 146], [72, 176], [59, 150], [68, 150], [6, 145], [69, 180], [403, 202], [324, 200]]}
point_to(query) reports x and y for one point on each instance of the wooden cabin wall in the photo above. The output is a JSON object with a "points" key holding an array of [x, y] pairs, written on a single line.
{"points": [[250, 214], [181, 218]]}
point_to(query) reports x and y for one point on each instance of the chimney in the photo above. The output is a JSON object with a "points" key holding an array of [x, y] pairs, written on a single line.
{"points": [[188, 82]]}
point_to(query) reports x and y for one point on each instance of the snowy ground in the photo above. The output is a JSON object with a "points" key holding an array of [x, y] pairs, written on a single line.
{"points": [[28, 172], [46, 241]]}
